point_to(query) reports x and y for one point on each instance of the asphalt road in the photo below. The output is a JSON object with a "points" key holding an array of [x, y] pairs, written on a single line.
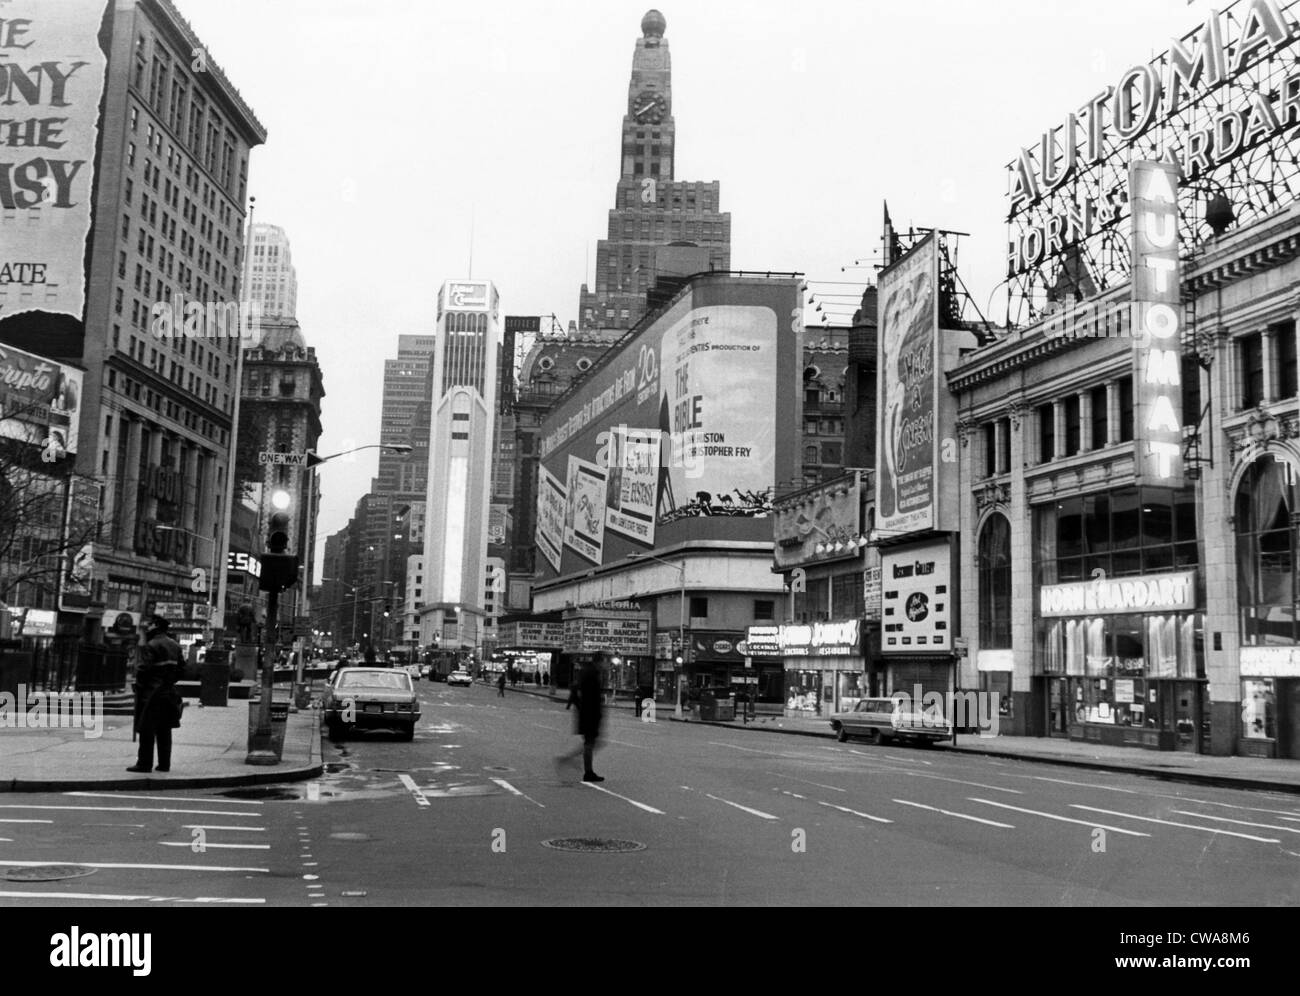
{"points": [[724, 817]]}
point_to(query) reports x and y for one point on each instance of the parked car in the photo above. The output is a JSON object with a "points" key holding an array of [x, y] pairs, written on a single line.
{"points": [[884, 720], [371, 698], [460, 678]]}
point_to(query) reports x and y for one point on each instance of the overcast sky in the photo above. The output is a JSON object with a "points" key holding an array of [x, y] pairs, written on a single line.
{"points": [[397, 125]]}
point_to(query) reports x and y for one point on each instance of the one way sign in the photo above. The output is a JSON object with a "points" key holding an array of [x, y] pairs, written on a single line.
{"points": [[266, 457]]}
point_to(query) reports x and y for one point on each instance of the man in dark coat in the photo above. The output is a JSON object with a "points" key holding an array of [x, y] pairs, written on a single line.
{"points": [[158, 704], [587, 692]]}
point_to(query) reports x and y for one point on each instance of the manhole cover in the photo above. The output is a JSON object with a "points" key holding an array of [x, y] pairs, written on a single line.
{"points": [[45, 873], [259, 793], [349, 836], [604, 845]]}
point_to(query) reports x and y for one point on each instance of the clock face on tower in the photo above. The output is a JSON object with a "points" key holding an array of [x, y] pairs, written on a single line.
{"points": [[649, 106]]}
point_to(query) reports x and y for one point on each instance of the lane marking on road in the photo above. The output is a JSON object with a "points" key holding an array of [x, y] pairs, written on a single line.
{"points": [[212, 826], [1062, 819], [878, 757], [545, 726], [163, 798], [32, 821], [792, 795], [639, 805], [139, 866], [960, 816], [1171, 823], [846, 809], [753, 812], [624, 743], [420, 798], [769, 753], [208, 846], [514, 791], [1242, 823], [131, 809], [794, 778], [1066, 781], [108, 897], [1286, 814], [6, 840], [961, 781]]}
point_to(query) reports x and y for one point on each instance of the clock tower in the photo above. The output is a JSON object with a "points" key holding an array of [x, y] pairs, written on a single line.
{"points": [[652, 211]]}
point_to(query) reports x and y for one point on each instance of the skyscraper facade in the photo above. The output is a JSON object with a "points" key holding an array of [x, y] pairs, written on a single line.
{"points": [[651, 210], [463, 413], [406, 389], [273, 281]]}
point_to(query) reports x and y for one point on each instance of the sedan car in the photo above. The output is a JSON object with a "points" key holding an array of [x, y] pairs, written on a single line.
{"points": [[884, 720], [460, 678], [370, 698]]}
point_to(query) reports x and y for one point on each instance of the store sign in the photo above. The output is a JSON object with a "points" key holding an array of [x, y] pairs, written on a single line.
{"points": [[171, 611], [467, 295], [871, 593], [716, 646], [31, 622], [1157, 324], [1270, 662], [827, 516], [587, 634], [1220, 91], [1145, 593], [244, 562], [995, 660], [907, 451], [916, 600], [532, 634], [763, 641], [822, 639]]}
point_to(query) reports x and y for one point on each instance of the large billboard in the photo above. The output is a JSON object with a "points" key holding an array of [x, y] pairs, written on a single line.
{"points": [[917, 599], [907, 450], [551, 502], [40, 401], [683, 430], [52, 75]]}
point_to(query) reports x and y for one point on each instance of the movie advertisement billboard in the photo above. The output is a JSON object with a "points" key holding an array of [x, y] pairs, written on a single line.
{"points": [[694, 417], [551, 500], [50, 54], [917, 599], [907, 452], [584, 514], [40, 402], [633, 461]]}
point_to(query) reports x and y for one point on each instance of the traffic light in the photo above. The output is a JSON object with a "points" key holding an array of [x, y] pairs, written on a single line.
{"points": [[279, 567], [387, 609], [277, 538]]}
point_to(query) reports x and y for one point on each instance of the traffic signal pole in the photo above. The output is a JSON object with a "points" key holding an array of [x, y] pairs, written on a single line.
{"points": [[261, 749]]}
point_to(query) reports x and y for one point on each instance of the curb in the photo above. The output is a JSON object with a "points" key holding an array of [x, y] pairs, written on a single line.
{"points": [[258, 776]]}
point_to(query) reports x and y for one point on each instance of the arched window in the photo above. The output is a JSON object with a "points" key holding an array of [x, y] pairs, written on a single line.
{"points": [[1267, 528], [995, 583]]}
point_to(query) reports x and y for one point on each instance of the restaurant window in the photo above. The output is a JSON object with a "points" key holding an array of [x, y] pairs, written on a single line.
{"points": [[1125, 385], [995, 583], [1046, 432], [1100, 417], [1250, 350], [1268, 589]]}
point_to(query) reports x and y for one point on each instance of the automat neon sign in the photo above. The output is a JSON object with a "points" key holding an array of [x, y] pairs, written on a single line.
{"points": [[1143, 98]]}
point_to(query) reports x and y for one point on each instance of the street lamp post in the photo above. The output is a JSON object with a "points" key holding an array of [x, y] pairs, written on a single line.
{"points": [[681, 617]]}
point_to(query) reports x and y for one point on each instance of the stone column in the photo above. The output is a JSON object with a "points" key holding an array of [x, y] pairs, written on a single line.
{"points": [[1086, 442], [1026, 720], [1268, 345], [1058, 429], [190, 516], [1112, 412], [130, 491]]}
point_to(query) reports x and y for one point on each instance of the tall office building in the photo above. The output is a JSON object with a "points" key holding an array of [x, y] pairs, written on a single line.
{"points": [[463, 412], [273, 281], [652, 211], [406, 389]]}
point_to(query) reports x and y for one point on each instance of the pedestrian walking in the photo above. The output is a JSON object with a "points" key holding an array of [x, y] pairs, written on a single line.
{"points": [[590, 709], [158, 703], [501, 686]]}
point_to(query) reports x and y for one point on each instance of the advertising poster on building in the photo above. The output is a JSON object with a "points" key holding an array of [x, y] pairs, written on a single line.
{"points": [[1157, 324], [50, 55], [40, 402], [633, 462], [722, 444], [584, 518], [907, 450], [916, 600], [551, 501], [82, 527]]}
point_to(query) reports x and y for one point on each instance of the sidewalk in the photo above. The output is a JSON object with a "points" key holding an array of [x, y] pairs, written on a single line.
{"points": [[208, 751], [1258, 774]]}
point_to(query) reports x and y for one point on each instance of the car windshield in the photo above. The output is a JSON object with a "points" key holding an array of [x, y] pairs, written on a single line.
{"points": [[397, 680]]}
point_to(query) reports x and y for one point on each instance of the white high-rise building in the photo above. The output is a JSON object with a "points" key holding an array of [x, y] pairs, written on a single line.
{"points": [[274, 281], [464, 381]]}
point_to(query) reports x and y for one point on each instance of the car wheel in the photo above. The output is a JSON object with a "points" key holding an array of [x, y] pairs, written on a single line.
{"points": [[841, 734], [873, 737]]}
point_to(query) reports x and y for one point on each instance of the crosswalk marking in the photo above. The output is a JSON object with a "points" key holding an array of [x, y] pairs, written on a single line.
{"points": [[409, 782], [960, 816], [639, 805], [108, 897], [208, 846], [1171, 823], [845, 809], [139, 866], [1243, 823], [132, 809], [1062, 819]]}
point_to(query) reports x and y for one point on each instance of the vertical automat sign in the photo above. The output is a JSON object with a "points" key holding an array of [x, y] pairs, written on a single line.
{"points": [[907, 454], [1157, 324], [52, 79]]}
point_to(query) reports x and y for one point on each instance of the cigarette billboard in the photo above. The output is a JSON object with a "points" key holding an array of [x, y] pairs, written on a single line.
{"points": [[682, 431]]}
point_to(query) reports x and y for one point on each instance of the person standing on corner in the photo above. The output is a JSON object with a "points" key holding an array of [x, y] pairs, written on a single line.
{"points": [[158, 704], [501, 686], [590, 711]]}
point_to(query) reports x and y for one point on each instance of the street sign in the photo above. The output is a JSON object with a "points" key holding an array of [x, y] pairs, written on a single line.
{"points": [[273, 459], [301, 627]]}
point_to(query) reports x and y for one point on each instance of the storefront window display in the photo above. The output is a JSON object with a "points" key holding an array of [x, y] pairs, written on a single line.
{"points": [[1268, 558], [803, 692], [852, 687], [1258, 709]]}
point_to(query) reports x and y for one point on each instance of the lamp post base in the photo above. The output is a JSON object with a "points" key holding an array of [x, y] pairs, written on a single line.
{"points": [[262, 757]]}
